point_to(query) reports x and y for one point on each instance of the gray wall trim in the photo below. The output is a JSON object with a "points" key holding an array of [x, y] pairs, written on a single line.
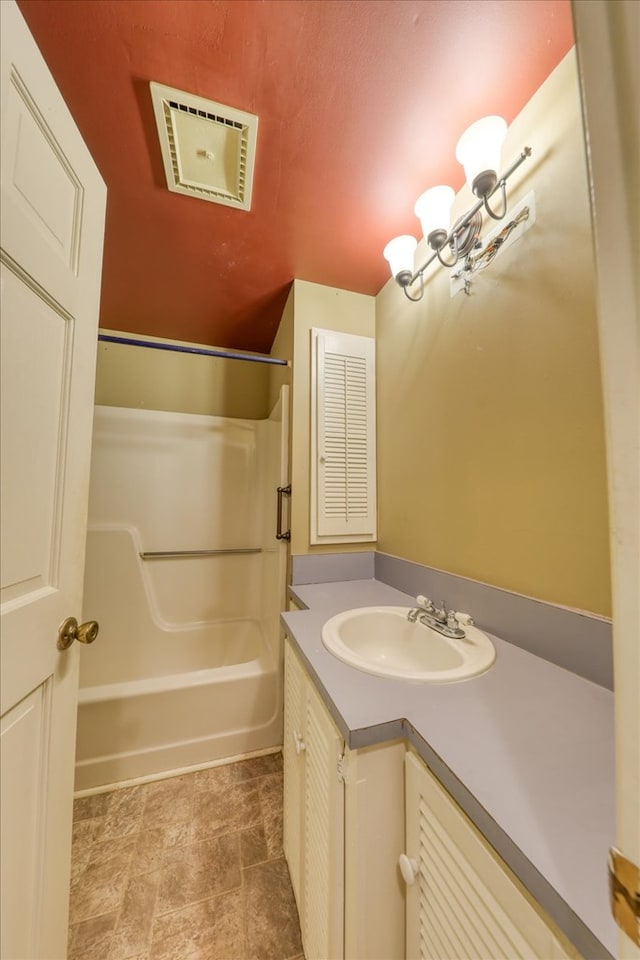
{"points": [[579, 642], [332, 567]]}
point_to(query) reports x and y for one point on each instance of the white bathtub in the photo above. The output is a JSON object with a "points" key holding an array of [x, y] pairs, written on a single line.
{"points": [[158, 693], [141, 727]]}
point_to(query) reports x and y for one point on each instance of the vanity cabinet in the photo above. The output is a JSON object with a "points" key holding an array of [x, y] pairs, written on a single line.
{"points": [[313, 813], [462, 900], [348, 817], [343, 829]]}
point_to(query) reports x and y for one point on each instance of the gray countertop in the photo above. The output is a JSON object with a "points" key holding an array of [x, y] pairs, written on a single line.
{"points": [[527, 750]]}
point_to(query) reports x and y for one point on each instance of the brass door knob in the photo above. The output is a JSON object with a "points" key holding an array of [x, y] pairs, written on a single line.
{"points": [[70, 631]]}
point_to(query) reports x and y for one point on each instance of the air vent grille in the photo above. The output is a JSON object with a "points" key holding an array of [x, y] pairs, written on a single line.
{"points": [[208, 149]]}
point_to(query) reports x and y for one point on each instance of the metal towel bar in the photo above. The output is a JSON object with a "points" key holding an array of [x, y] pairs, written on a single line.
{"points": [[165, 554]]}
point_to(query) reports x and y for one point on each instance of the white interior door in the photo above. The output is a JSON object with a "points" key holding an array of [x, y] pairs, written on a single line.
{"points": [[53, 203], [608, 43]]}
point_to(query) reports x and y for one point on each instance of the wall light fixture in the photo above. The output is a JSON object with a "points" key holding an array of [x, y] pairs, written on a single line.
{"points": [[478, 151]]}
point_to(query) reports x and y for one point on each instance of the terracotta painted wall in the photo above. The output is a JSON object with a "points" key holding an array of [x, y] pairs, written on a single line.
{"points": [[491, 459], [185, 383]]}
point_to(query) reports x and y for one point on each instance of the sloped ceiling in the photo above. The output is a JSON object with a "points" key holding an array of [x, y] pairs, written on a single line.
{"points": [[360, 105]]}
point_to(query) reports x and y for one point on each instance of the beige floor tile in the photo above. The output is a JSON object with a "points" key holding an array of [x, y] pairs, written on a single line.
{"points": [[270, 789], [178, 834], [271, 917], [213, 777], [99, 889], [86, 831], [256, 767], [148, 852], [103, 850], [273, 828], [198, 871], [224, 809], [253, 845], [189, 868], [83, 836], [209, 930], [92, 938], [132, 933], [87, 808], [169, 801], [124, 813]]}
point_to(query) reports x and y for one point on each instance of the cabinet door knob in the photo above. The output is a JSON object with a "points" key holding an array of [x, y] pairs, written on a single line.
{"points": [[299, 742], [408, 869]]}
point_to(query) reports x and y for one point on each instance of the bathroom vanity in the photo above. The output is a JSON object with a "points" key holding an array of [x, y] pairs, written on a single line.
{"points": [[454, 820]]}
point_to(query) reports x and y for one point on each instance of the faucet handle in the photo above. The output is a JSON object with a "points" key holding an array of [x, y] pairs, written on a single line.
{"points": [[441, 611], [425, 603], [452, 620]]}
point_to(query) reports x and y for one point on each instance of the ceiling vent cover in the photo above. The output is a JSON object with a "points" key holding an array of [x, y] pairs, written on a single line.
{"points": [[208, 149]]}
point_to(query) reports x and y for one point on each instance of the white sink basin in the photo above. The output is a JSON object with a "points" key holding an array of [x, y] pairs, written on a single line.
{"points": [[380, 640]]}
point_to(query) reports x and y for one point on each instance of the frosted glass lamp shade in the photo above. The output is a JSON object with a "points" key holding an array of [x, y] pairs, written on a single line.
{"points": [[433, 209], [478, 151], [399, 253]]}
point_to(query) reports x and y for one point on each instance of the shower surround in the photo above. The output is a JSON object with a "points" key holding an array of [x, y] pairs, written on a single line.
{"points": [[185, 669]]}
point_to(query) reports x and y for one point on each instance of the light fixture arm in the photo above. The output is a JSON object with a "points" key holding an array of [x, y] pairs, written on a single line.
{"points": [[465, 221], [497, 216], [454, 250], [421, 292]]}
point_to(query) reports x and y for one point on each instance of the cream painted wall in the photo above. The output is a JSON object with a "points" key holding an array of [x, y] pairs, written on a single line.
{"points": [[491, 458], [185, 383], [313, 305], [283, 349]]}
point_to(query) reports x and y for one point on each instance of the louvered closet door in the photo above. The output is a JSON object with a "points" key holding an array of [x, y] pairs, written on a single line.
{"points": [[463, 905], [343, 438], [294, 759], [323, 910]]}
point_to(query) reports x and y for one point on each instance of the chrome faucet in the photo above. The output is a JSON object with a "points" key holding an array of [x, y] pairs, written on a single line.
{"points": [[439, 619]]}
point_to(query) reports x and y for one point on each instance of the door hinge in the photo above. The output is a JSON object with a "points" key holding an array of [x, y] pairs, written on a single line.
{"points": [[624, 894], [342, 766]]}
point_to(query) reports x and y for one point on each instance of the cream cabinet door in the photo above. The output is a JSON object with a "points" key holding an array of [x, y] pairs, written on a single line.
{"points": [[323, 896], [313, 814], [53, 203], [293, 756], [463, 904]]}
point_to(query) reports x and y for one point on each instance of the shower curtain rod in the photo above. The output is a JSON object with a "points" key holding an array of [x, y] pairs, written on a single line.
{"points": [[201, 351]]}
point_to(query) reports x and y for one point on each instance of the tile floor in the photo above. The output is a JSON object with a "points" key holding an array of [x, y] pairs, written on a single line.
{"points": [[189, 868]]}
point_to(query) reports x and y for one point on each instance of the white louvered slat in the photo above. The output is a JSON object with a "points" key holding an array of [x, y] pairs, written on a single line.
{"points": [[317, 815], [293, 762], [313, 813], [465, 905], [343, 438], [500, 940], [322, 930]]}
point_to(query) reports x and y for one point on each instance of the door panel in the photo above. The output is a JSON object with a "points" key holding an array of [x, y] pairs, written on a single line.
{"points": [[42, 196], [53, 202], [32, 441], [608, 47], [22, 834]]}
